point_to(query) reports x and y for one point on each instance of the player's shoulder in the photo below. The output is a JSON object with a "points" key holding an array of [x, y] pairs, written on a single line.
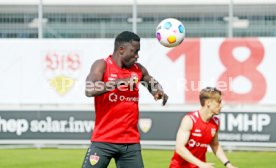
{"points": [[194, 115], [187, 122], [138, 65], [216, 120], [98, 66], [100, 62]]}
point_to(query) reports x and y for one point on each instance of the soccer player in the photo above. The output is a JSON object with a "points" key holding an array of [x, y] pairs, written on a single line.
{"points": [[114, 84], [197, 130]]}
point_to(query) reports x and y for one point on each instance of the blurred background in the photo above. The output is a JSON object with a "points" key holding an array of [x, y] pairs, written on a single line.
{"points": [[104, 19], [48, 47]]}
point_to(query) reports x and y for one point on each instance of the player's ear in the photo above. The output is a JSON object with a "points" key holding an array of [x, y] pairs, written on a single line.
{"points": [[121, 49], [207, 103]]}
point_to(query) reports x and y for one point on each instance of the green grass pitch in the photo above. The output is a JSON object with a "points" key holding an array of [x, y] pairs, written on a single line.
{"points": [[72, 158]]}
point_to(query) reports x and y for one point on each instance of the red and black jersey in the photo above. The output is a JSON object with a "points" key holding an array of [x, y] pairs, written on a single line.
{"points": [[117, 110]]}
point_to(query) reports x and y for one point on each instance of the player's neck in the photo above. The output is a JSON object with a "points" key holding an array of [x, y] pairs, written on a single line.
{"points": [[116, 60], [205, 114]]}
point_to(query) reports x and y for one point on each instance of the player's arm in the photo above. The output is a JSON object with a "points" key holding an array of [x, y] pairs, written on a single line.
{"points": [[182, 138], [218, 151], [153, 86], [94, 81]]}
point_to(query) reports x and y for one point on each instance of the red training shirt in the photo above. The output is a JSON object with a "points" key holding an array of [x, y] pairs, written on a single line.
{"points": [[117, 111], [201, 135]]}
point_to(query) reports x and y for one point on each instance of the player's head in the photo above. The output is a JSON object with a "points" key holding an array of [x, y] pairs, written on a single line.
{"points": [[125, 37], [210, 97], [127, 44]]}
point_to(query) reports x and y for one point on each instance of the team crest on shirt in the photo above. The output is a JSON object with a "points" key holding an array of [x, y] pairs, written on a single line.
{"points": [[145, 124], [213, 131], [94, 159], [135, 77]]}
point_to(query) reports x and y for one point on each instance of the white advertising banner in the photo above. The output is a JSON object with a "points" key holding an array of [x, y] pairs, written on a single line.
{"points": [[53, 71]]}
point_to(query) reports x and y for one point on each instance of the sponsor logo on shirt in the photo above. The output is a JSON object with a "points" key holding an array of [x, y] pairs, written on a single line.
{"points": [[192, 143], [197, 134], [111, 79], [197, 130], [114, 75], [115, 98]]}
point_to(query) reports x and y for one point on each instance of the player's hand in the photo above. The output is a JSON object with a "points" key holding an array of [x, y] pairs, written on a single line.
{"points": [[207, 165], [159, 94]]}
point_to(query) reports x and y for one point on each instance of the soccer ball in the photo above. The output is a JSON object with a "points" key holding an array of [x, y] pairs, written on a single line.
{"points": [[170, 32]]}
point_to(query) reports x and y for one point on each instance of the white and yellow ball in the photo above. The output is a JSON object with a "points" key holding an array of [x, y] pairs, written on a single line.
{"points": [[170, 32]]}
